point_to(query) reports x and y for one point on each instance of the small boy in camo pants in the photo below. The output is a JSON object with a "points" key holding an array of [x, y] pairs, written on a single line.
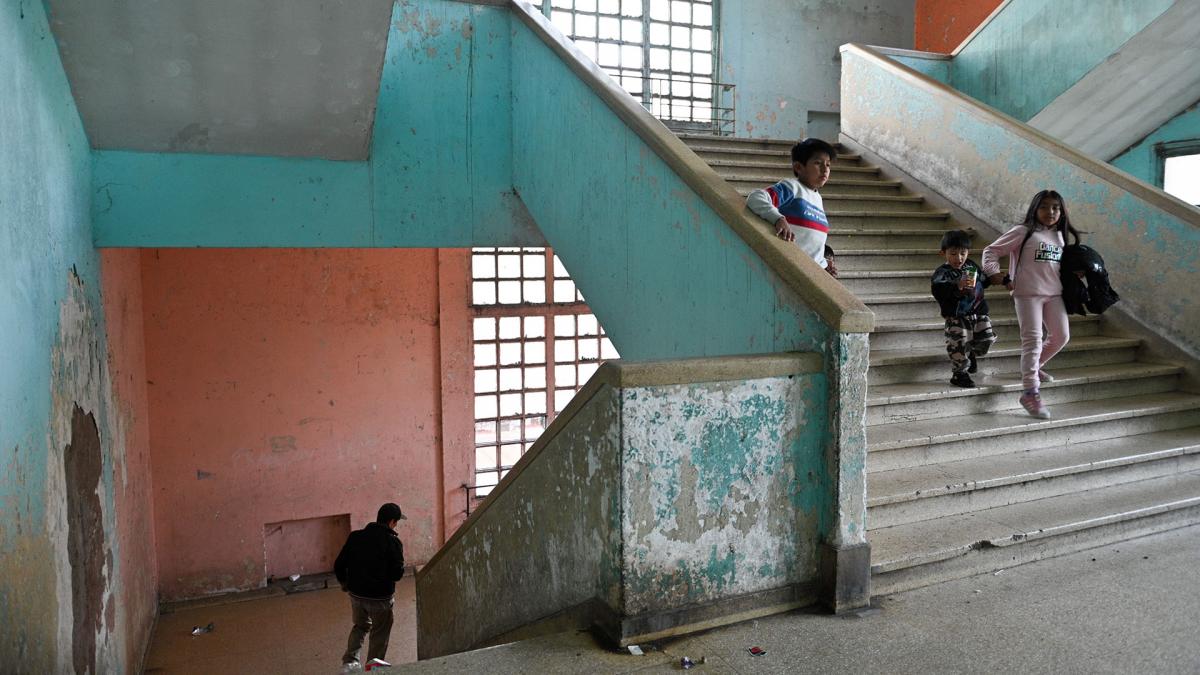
{"points": [[958, 287]]}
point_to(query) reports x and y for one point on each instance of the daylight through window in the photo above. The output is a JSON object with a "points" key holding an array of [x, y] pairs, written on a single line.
{"points": [[535, 344]]}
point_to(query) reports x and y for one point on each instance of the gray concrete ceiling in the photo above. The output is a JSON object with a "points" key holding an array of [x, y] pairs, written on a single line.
{"points": [[254, 77], [1150, 79]]}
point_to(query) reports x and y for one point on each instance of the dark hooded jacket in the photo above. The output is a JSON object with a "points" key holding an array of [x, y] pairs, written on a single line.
{"points": [[944, 287], [1093, 293], [371, 562]]}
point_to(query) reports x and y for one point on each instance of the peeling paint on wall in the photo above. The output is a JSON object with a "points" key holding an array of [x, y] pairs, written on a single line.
{"points": [[719, 490]]}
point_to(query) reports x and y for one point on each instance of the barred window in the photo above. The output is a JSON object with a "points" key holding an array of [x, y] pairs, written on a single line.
{"points": [[663, 52], [535, 344]]}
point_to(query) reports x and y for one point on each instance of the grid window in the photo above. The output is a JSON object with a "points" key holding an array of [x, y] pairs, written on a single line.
{"points": [[660, 51], [533, 349]]}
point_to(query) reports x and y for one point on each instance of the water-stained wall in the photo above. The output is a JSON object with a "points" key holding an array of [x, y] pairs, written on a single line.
{"points": [[992, 167], [691, 485], [721, 493], [66, 572], [290, 385], [546, 543], [782, 57]]}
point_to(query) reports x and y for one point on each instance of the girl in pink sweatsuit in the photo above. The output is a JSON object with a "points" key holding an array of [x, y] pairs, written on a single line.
{"points": [[1034, 249]]}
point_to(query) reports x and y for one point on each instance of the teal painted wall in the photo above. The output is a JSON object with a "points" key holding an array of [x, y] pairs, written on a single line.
{"points": [[666, 275], [782, 56], [439, 174], [1035, 50], [54, 594], [1141, 160], [938, 69], [151, 199]]}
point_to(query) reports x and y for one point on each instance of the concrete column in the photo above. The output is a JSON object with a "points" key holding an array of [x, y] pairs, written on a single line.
{"points": [[845, 553]]}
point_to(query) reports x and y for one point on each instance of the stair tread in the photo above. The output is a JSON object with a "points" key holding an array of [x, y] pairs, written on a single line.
{"points": [[784, 164], [917, 296], [884, 357], [937, 323], [897, 435], [839, 182], [885, 394], [933, 480], [886, 231], [911, 544], [884, 274]]}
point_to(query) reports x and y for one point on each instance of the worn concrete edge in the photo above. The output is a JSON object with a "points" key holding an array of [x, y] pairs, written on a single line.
{"points": [[837, 306], [911, 53], [1105, 172], [618, 374], [980, 28], [625, 631], [583, 616]]}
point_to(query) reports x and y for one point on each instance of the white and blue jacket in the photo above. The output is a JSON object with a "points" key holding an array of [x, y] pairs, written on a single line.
{"points": [[803, 209]]}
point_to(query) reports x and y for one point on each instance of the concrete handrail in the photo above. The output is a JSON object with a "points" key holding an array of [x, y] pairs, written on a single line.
{"points": [[1101, 170], [838, 307], [620, 373]]}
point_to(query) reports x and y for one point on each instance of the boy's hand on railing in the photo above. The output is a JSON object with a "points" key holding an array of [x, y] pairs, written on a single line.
{"points": [[783, 231]]}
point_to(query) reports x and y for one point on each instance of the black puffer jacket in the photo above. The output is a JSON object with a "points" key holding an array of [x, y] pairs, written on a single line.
{"points": [[1093, 292], [371, 562]]}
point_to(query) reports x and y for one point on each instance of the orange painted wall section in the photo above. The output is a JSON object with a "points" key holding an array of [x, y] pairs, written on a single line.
{"points": [[120, 275], [288, 385], [942, 25]]}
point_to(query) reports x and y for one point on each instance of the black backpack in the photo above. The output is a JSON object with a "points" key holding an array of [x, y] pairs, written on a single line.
{"points": [[1092, 292]]}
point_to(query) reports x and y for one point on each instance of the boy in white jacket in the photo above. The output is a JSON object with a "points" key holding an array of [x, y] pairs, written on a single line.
{"points": [[794, 205]]}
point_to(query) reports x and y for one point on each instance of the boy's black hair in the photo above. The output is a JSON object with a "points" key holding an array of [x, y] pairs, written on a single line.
{"points": [[805, 149], [956, 239], [389, 512], [828, 251], [1064, 221]]}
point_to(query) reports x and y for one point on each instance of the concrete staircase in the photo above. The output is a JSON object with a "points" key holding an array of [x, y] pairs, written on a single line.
{"points": [[962, 481]]}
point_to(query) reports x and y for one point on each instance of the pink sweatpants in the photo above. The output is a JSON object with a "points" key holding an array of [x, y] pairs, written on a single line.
{"points": [[1032, 312]]}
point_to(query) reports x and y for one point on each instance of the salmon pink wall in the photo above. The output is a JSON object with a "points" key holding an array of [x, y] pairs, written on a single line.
{"points": [[120, 274], [290, 384], [942, 25]]}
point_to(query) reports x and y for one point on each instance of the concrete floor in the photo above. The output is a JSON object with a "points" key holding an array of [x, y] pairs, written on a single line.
{"points": [[1132, 607], [301, 633]]}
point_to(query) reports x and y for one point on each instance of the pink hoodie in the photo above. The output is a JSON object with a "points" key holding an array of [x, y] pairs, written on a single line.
{"points": [[1041, 255]]}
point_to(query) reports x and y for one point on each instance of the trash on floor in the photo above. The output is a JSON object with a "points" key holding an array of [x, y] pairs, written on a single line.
{"points": [[635, 650], [757, 651], [294, 577], [376, 663], [686, 663], [201, 630]]}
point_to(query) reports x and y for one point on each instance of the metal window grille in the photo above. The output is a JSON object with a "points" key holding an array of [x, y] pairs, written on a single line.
{"points": [[663, 52], [535, 344]]}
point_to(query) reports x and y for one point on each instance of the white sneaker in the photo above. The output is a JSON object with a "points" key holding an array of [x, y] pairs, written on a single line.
{"points": [[352, 667]]}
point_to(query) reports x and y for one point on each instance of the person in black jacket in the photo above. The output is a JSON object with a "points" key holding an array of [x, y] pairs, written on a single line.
{"points": [[368, 567], [958, 287]]}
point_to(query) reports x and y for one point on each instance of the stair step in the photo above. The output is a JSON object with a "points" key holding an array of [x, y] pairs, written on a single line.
{"points": [[843, 187], [913, 494], [921, 305], [841, 202], [894, 366], [778, 163], [902, 444], [922, 553], [929, 331], [913, 401], [910, 238], [736, 141], [866, 282]]}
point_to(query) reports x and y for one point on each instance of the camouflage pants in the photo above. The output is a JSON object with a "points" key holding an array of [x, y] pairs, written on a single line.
{"points": [[968, 335]]}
